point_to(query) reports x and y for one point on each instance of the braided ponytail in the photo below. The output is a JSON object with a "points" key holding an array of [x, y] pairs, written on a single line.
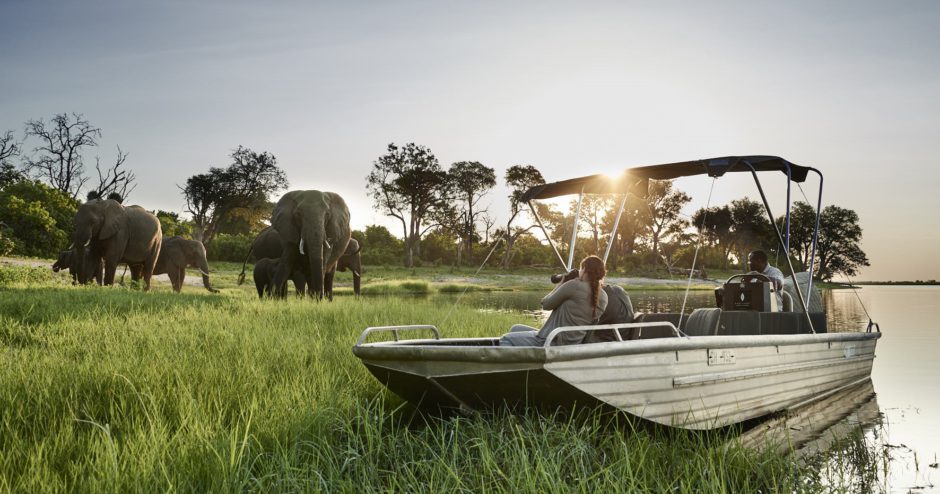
{"points": [[593, 268]]}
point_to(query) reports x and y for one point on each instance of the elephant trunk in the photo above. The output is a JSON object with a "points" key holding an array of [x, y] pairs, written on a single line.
{"points": [[313, 247], [204, 270], [81, 268], [81, 242]]}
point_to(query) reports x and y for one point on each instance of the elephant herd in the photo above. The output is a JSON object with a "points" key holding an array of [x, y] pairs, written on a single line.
{"points": [[308, 241]]}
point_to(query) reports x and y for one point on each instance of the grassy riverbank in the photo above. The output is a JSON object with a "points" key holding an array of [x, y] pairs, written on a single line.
{"points": [[111, 389]]}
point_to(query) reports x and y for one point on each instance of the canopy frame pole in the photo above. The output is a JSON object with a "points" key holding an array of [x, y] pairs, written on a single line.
{"points": [[773, 223], [574, 230], [812, 258], [545, 232], [613, 233], [787, 221]]}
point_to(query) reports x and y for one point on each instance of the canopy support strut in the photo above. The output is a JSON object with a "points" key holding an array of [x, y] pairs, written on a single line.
{"points": [[613, 233], [545, 232], [783, 244], [574, 230]]}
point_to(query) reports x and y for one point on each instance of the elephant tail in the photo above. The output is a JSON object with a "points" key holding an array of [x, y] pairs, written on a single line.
{"points": [[241, 276]]}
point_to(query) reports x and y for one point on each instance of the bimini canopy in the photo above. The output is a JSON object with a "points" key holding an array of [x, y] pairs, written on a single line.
{"points": [[635, 180]]}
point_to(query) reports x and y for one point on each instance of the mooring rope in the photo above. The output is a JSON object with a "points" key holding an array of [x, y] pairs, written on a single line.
{"points": [[865, 309], [495, 245], [698, 244]]}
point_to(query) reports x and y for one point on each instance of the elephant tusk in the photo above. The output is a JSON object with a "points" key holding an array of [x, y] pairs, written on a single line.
{"points": [[204, 273], [357, 274], [301, 247], [71, 246], [87, 242], [327, 242]]}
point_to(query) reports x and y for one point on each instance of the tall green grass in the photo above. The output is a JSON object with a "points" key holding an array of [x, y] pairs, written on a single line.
{"points": [[110, 389]]}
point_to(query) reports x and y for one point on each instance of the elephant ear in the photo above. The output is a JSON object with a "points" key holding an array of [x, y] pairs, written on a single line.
{"points": [[353, 247], [285, 220], [113, 214]]}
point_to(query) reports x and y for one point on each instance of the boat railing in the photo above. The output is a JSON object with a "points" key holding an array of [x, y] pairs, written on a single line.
{"points": [[611, 327], [395, 329]]}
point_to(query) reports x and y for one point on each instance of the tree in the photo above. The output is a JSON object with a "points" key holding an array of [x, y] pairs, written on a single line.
{"points": [[438, 247], [37, 217], [838, 250], [519, 179], [664, 204], [469, 181], [409, 184], [594, 209], [751, 229], [632, 224], [58, 158], [9, 149], [246, 184], [716, 225], [379, 246], [172, 225], [802, 225], [489, 221], [114, 180]]}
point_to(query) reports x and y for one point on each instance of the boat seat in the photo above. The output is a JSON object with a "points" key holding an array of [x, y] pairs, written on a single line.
{"points": [[740, 322], [782, 323], [702, 322]]}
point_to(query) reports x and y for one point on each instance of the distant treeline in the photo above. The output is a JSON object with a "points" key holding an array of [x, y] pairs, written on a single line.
{"points": [[443, 213], [916, 282]]}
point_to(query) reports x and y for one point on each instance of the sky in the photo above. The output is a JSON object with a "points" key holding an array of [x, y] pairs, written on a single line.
{"points": [[574, 88]]}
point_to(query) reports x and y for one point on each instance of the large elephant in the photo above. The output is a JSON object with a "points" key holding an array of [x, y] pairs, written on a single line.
{"points": [[268, 246], [314, 231], [176, 254], [117, 234], [65, 261]]}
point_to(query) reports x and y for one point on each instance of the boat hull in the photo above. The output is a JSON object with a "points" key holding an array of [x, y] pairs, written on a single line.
{"points": [[691, 382]]}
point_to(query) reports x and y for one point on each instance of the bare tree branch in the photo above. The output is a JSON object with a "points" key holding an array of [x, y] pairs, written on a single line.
{"points": [[114, 180], [58, 157]]}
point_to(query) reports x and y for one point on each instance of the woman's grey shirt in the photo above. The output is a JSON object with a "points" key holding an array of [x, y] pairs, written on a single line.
{"points": [[570, 303]]}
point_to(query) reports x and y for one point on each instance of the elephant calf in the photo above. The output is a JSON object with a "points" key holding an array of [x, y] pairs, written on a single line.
{"points": [[66, 261], [264, 277], [176, 254]]}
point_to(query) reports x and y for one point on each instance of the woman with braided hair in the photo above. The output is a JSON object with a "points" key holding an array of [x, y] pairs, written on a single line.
{"points": [[576, 302]]}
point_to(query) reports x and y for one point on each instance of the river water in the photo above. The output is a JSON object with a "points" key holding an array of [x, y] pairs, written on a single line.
{"points": [[905, 375]]}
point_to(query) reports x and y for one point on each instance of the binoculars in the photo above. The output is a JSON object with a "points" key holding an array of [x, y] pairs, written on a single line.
{"points": [[561, 278]]}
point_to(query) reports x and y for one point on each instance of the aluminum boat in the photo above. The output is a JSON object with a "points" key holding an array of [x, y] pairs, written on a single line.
{"points": [[708, 369]]}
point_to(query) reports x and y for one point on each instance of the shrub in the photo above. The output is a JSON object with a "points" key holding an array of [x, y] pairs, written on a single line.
{"points": [[231, 248]]}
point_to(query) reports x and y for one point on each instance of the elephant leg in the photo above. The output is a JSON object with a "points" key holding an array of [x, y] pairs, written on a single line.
{"points": [[110, 269], [180, 279], [98, 275], [328, 284], [289, 259], [149, 264], [173, 275], [300, 283]]}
